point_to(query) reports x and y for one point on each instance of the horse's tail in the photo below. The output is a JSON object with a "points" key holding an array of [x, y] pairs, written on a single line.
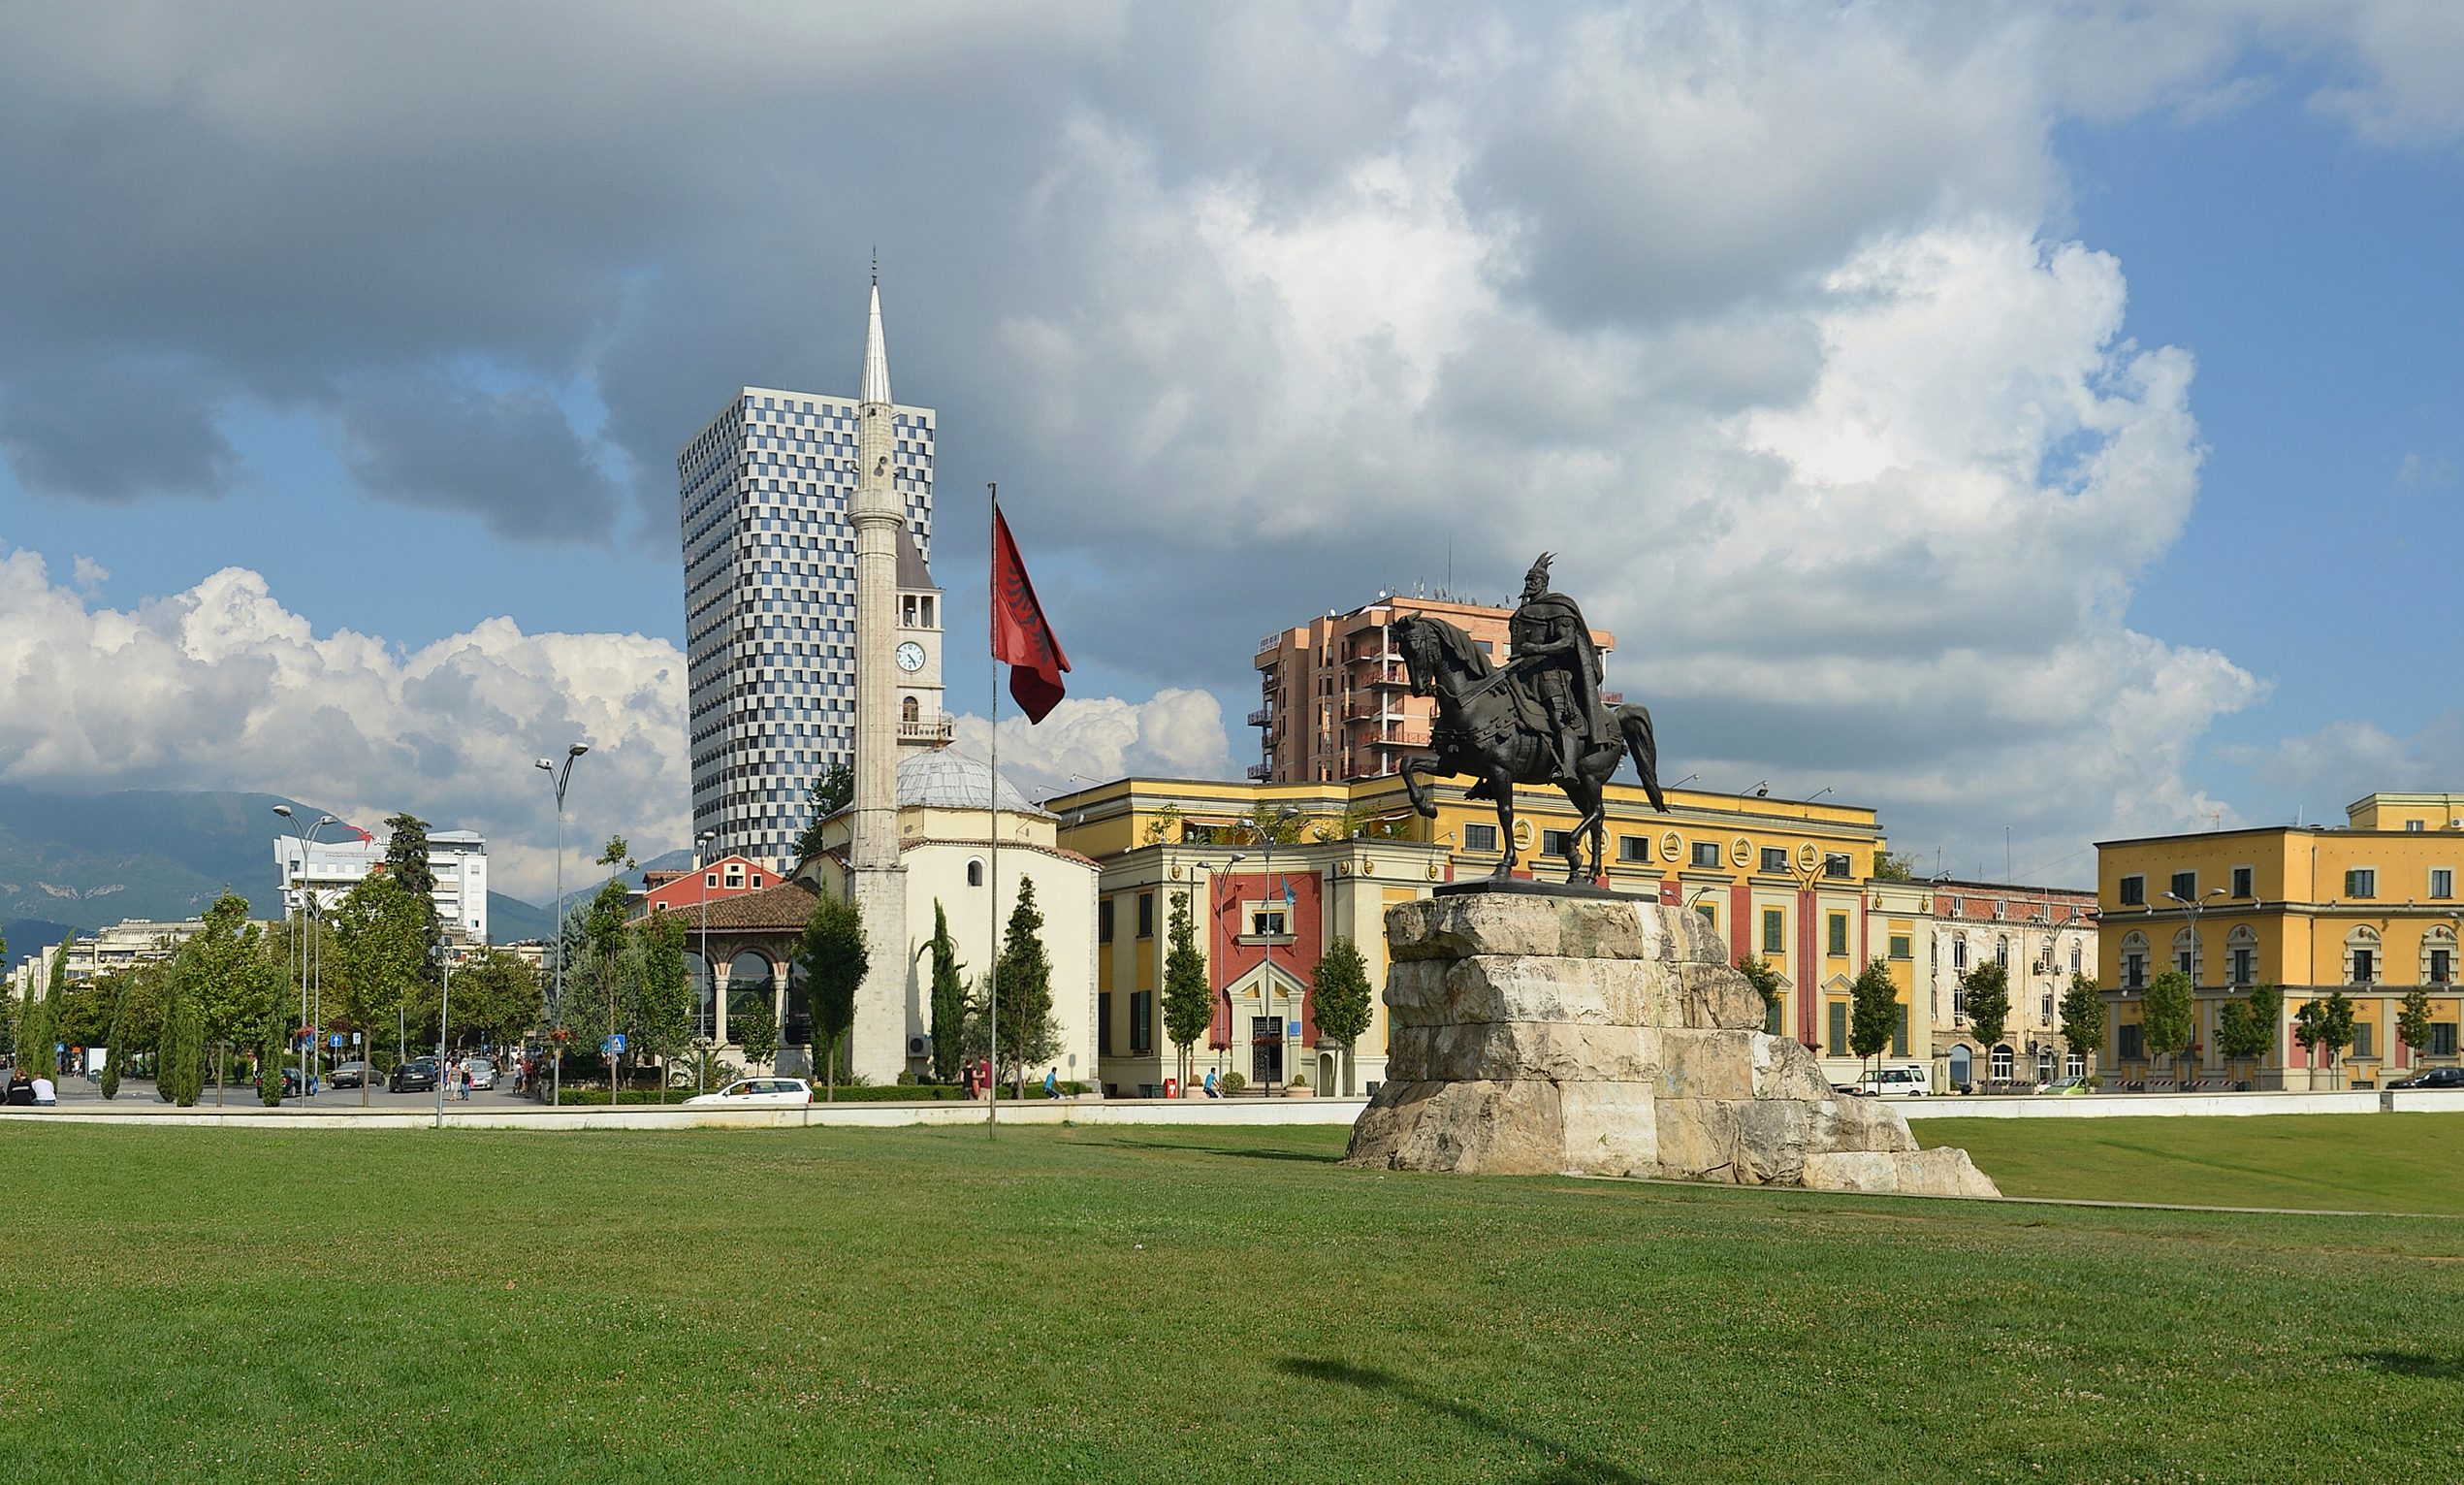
{"points": [[1634, 719]]}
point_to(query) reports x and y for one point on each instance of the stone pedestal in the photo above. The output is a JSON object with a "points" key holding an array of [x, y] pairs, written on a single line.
{"points": [[1539, 1034]]}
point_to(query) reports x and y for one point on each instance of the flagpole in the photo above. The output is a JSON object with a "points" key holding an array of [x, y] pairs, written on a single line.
{"points": [[992, 796], [991, 1102]]}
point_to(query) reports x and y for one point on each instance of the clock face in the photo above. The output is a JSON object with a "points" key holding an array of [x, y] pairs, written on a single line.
{"points": [[910, 656]]}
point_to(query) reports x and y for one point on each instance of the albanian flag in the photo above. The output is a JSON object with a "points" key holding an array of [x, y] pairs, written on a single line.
{"points": [[1022, 640]]}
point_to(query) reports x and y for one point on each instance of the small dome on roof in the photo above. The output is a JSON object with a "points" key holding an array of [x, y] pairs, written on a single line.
{"points": [[942, 779]]}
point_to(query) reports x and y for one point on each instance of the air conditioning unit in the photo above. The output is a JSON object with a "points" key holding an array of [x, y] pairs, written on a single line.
{"points": [[920, 1047]]}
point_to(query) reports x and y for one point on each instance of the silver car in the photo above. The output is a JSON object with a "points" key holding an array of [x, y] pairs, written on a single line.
{"points": [[482, 1072]]}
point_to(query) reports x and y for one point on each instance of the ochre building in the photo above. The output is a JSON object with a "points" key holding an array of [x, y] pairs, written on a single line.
{"points": [[2368, 908], [1789, 880]]}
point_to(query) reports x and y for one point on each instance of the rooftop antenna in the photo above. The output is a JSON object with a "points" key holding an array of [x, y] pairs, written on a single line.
{"points": [[877, 264]]}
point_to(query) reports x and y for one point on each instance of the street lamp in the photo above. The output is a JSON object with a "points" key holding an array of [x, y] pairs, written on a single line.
{"points": [[1214, 913], [709, 976], [556, 1077], [444, 1004], [2190, 910], [310, 963]]}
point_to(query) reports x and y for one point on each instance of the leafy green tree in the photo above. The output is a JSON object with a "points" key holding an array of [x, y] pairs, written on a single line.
{"points": [[406, 862], [2083, 1018], [380, 941], [949, 1000], [757, 1031], [2413, 1021], [1894, 866], [1764, 977], [1873, 1012], [828, 793], [835, 957], [2324, 1027], [1985, 995], [1338, 994], [667, 990], [2168, 1018], [1267, 822], [2246, 1026], [1189, 1001], [496, 998], [1024, 1018], [227, 979]]}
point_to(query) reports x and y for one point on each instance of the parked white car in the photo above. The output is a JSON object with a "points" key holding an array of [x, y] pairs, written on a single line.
{"points": [[759, 1093], [1915, 1081]]}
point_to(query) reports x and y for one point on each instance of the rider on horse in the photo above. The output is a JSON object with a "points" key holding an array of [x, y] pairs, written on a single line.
{"points": [[1557, 672]]}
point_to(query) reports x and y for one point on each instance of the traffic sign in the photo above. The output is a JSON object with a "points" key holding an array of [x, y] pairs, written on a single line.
{"points": [[612, 1047], [335, 1040]]}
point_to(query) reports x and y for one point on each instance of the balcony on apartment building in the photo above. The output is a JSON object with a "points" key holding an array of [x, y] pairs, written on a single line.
{"points": [[1262, 717]]}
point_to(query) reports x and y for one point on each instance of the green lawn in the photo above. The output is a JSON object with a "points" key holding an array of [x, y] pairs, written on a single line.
{"points": [[2363, 1162], [1130, 1305]]}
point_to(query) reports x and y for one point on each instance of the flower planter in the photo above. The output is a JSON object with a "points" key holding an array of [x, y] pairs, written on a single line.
{"points": [[1298, 1092]]}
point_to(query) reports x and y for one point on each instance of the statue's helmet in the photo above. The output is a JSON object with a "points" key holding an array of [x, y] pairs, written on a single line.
{"points": [[1537, 579]]}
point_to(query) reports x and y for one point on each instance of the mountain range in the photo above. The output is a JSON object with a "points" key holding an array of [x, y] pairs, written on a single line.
{"points": [[84, 862]]}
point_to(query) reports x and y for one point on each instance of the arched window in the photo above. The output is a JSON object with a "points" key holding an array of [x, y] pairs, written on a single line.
{"points": [[1962, 1065], [2002, 1064], [2438, 957], [2241, 956], [705, 1005], [976, 871], [2001, 952], [749, 991], [2074, 957], [2186, 955], [2361, 965], [909, 711], [1958, 953], [2134, 960]]}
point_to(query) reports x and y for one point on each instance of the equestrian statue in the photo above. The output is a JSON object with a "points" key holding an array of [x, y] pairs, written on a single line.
{"points": [[1538, 720]]}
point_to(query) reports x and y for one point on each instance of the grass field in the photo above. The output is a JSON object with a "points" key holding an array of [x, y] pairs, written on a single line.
{"points": [[2383, 1162], [1197, 1305]]}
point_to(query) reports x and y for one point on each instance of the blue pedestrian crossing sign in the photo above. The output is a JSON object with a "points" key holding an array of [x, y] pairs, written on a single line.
{"points": [[612, 1047]]}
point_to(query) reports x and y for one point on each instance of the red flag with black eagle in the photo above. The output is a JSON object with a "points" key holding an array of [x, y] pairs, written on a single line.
{"points": [[1022, 640]]}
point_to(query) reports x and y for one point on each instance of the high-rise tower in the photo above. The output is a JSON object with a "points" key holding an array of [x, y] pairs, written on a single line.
{"points": [[877, 1044], [766, 490]]}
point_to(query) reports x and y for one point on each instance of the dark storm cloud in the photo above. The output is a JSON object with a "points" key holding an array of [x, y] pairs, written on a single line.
{"points": [[509, 457]]}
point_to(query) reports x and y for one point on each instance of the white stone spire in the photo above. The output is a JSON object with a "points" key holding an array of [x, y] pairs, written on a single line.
{"points": [[879, 1040], [877, 356]]}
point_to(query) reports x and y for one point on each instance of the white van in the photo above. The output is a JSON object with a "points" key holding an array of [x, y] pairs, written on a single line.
{"points": [[1913, 1080]]}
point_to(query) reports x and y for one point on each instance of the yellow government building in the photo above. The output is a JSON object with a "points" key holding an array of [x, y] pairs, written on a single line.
{"points": [[2368, 908], [1790, 880]]}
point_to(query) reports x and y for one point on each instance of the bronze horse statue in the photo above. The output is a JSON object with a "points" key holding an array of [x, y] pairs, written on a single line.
{"points": [[1478, 733]]}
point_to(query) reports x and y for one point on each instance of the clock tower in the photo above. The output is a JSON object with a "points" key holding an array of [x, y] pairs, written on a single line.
{"points": [[921, 722]]}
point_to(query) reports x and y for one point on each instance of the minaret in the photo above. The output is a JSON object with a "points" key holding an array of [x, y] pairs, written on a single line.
{"points": [[877, 1042]]}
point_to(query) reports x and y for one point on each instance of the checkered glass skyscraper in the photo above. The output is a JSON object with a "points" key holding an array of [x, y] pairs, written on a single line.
{"points": [[770, 603]]}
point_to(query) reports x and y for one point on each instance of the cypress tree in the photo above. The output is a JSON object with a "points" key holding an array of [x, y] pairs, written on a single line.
{"points": [[1023, 1031], [119, 1048], [182, 1075], [949, 1000], [273, 1041]]}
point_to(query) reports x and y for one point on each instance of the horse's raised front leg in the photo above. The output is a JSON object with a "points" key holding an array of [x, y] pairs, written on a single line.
{"points": [[1502, 780], [1412, 769]]}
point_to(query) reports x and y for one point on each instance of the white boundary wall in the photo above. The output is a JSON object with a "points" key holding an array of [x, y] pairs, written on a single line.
{"points": [[869, 1115], [2130, 1106]]}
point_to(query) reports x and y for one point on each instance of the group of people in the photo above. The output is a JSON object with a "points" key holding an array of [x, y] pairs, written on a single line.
{"points": [[37, 1091]]}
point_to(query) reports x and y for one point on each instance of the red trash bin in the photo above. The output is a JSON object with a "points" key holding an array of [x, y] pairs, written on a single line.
{"points": [[1171, 1088]]}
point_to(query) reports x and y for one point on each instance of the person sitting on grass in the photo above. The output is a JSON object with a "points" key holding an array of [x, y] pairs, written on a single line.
{"points": [[20, 1088], [45, 1094]]}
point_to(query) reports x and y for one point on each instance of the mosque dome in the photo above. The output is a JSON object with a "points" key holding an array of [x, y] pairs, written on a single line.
{"points": [[942, 779]]}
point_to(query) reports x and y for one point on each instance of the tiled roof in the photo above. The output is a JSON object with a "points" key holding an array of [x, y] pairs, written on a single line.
{"points": [[785, 907]]}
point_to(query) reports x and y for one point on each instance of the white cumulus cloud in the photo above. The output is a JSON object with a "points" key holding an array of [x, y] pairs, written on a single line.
{"points": [[1176, 735]]}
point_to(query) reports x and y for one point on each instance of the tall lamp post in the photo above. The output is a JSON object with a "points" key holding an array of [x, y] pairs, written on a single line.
{"points": [[310, 963], [444, 1005], [709, 976], [2190, 910], [556, 1077]]}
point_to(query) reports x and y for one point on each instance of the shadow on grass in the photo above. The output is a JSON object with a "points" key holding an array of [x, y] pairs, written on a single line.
{"points": [[1304, 1156], [2446, 1369], [1565, 1466]]}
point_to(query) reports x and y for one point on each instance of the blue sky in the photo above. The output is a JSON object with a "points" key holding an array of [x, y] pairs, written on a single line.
{"points": [[2009, 419]]}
